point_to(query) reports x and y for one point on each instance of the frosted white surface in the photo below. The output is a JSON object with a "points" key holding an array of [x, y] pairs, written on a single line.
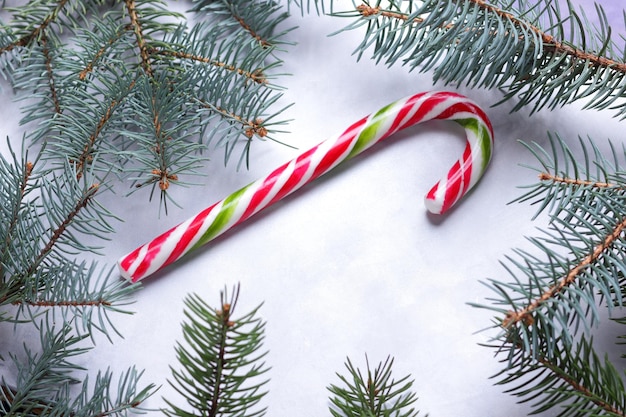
{"points": [[352, 264]]}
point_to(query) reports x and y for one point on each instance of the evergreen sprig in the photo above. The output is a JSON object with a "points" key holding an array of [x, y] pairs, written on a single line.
{"points": [[45, 380], [45, 220], [154, 91], [575, 379], [374, 394], [537, 52], [557, 292], [114, 95], [222, 369]]}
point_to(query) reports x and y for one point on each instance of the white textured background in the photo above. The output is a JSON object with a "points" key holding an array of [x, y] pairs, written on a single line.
{"points": [[352, 264]]}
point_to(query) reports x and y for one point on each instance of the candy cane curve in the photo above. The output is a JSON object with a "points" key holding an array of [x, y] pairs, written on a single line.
{"points": [[249, 200]]}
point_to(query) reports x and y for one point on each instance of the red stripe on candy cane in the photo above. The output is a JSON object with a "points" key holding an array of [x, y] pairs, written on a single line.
{"points": [[340, 148], [301, 166], [261, 194]]}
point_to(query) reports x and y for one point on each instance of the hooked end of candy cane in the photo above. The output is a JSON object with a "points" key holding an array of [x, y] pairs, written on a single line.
{"points": [[449, 190], [434, 201]]}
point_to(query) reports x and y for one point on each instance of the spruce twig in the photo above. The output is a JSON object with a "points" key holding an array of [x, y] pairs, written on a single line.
{"points": [[111, 89], [109, 54], [546, 312], [532, 51], [375, 394], [220, 360]]}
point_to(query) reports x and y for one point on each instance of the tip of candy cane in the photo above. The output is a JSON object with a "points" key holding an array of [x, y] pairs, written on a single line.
{"points": [[433, 206], [435, 200], [124, 273]]}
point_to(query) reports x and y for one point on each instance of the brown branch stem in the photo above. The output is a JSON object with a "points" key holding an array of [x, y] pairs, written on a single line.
{"points": [[544, 176], [48, 61], [367, 11], [141, 40], [83, 74], [61, 228], [256, 76], [224, 326], [578, 387], [252, 127], [161, 174], [85, 157], [263, 42], [84, 303]]}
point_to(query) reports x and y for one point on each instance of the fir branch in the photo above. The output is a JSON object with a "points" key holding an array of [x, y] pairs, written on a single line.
{"points": [[37, 235], [263, 42], [13, 218], [86, 98], [65, 303], [581, 266], [586, 218], [575, 379], [219, 66], [16, 182], [42, 376], [165, 130], [251, 127], [561, 173], [524, 315], [485, 45], [49, 222], [101, 403], [257, 21], [44, 381], [162, 174], [15, 189], [97, 404], [38, 31], [80, 294], [86, 157], [237, 117], [220, 364], [549, 41], [375, 395]]}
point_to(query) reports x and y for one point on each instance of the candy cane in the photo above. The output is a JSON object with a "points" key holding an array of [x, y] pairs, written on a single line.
{"points": [[239, 206]]}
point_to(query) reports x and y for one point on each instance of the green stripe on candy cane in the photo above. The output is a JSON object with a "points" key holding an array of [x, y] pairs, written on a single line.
{"points": [[244, 203], [367, 137], [479, 130], [223, 218]]}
